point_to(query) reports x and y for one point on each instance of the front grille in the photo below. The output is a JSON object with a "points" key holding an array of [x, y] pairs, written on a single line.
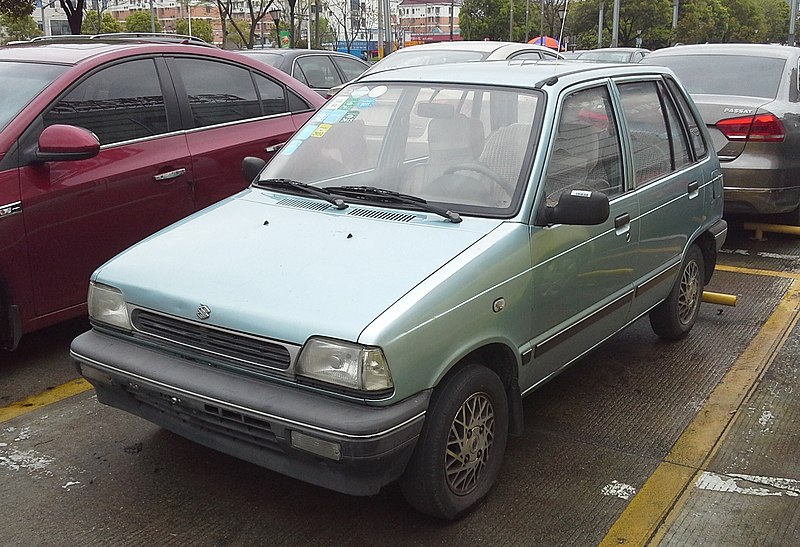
{"points": [[220, 344], [210, 418]]}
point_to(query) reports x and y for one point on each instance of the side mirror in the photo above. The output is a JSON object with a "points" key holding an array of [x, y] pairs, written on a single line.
{"points": [[251, 167], [578, 207], [66, 143]]}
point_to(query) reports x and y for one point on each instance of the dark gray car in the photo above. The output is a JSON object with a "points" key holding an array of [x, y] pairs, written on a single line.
{"points": [[319, 70], [749, 97]]}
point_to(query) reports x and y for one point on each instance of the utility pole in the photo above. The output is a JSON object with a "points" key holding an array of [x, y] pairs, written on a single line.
{"points": [[615, 26], [600, 24], [511, 21], [792, 23]]}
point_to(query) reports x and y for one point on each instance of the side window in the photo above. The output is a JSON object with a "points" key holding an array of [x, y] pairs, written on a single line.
{"points": [[273, 95], [318, 71], [695, 134], [351, 68], [647, 129], [528, 55], [586, 151], [680, 148], [118, 103], [218, 92]]}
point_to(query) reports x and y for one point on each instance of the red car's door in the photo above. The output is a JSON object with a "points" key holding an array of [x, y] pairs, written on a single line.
{"points": [[78, 214], [234, 112]]}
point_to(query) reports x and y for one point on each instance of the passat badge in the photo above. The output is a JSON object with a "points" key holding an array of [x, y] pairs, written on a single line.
{"points": [[203, 312]]}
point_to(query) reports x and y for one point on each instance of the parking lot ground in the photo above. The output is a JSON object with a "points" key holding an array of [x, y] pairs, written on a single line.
{"points": [[74, 472]]}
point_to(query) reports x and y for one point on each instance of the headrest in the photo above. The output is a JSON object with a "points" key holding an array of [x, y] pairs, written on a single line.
{"points": [[436, 110]]}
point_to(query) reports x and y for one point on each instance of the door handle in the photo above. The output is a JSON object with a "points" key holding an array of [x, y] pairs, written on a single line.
{"points": [[274, 148], [169, 175], [693, 189], [622, 225]]}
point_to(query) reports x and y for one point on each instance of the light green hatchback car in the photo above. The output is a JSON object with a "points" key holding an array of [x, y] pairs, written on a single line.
{"points": [[434, 244]]}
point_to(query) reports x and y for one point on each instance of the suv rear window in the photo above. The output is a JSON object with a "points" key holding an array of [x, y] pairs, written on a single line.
{"points": [[723, 74]]}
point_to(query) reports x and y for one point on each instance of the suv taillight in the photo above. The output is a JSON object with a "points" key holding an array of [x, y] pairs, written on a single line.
{"points": [[761, 127]]}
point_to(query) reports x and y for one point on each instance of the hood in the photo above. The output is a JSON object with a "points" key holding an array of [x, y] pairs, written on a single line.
{"points": [[277, 266]]}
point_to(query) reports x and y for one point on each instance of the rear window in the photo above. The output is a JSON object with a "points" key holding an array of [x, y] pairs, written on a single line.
{"points": [[21, 82], [739, 75], [412, 57]]}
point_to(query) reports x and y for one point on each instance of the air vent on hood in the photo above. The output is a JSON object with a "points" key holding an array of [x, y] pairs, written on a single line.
{"points": [[305, 204], [383, 215]]}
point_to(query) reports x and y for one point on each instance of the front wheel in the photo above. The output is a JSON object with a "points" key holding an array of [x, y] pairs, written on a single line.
{"points": [[675, 316], [460, 451]]}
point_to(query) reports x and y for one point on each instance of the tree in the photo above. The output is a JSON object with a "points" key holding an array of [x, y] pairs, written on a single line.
{"points": [[94, 23], [481, 19], [16, 9], [74, 11], [139, 21], [647, 20], [201, 28], [18, 28], [776, 19], [701, 21], [245, 29]]}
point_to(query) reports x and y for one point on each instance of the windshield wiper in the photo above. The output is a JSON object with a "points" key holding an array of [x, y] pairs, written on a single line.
{"points": [[321, 193], [389, 196]]}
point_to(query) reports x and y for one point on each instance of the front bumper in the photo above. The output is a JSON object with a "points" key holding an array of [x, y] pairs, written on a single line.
{"points": [[254, 419]]}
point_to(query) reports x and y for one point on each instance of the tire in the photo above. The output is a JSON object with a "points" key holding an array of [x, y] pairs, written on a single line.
{"points": [[460, 450], [675, 317]]}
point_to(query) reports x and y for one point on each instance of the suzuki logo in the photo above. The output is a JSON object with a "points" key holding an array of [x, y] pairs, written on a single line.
{"points": [[203, 312]]}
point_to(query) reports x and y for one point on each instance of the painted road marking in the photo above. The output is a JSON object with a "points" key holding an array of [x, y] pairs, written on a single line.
{"points": [[761, 254], [48, 397], [756, 485], [755, 271], [658, 503]]}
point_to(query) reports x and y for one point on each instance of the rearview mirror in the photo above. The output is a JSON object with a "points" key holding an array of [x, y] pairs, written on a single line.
{"points": [[251, 167], [578, 207], [66, 143]]}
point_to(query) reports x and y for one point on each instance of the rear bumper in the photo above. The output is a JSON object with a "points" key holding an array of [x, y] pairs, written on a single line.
{"points": [[719, 231], [348, 447], [760, 191]]}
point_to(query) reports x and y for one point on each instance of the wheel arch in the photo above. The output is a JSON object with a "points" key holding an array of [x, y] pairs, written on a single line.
{"points": [[503, 361], [708, 246]]}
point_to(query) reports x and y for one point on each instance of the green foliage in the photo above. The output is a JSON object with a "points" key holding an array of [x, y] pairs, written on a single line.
{"points": [[16, 9], [201, 28], [93, 23], [650, 20], [481, 19], [233, 36], [18, 28], [140, 22], [776, 20]]}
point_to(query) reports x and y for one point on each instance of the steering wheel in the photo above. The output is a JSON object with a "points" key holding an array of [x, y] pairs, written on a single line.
{"points": [[478, 168]]}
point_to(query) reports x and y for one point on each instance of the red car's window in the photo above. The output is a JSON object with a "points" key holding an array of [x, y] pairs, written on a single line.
{"points": [[119, 103]]}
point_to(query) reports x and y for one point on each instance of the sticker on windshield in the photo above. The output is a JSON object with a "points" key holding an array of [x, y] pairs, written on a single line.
{"points": [[360, 92], [348, 104], [306, 131], [350, 116], [336, 102], [321, 130], [378, 91], [291, 146], [335, 116], [366, 102], [321, 115]]}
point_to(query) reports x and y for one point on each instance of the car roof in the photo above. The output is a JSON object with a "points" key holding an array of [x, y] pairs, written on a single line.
{"points": [[72, 53], [758, 50], [528, 74], [485, 46], [296, 52]]}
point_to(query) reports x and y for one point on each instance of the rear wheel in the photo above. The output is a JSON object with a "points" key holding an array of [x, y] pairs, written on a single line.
{"points": [[460, 451], [675, 317]]}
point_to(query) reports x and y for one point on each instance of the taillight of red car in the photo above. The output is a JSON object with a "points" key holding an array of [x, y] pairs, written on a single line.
{"points": [[761, 127]]}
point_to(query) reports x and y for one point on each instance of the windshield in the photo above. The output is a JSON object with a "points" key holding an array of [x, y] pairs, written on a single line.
{"points": [[722, 74], [466, 148], [413, 57], [21, 82]]}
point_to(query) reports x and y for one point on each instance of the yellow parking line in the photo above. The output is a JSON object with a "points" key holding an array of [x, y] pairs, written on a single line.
{"points": [[755, 271], [658, 502], [43, 399]]}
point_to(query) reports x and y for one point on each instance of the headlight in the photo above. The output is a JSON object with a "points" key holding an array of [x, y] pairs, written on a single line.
{"points": [[348, 365], [107, 305]]}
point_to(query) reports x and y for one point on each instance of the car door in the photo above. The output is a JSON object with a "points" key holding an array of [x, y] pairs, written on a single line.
{"points": [[231, 112], [78, 214], [670, 185], [582, 277]]}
